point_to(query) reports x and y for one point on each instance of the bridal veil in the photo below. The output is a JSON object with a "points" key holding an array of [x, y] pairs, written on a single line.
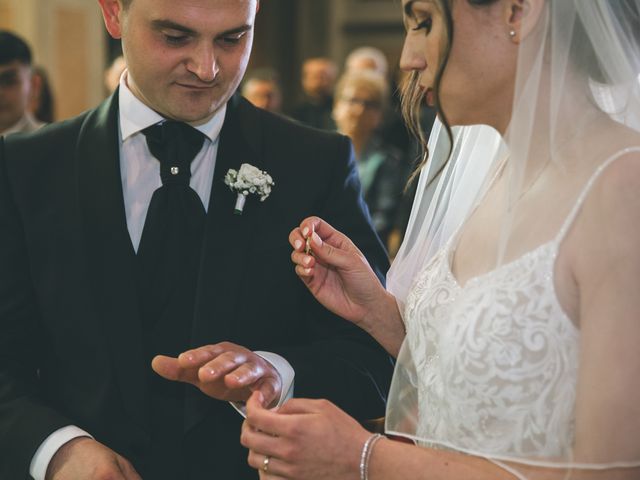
{"points": [[578, 72]]}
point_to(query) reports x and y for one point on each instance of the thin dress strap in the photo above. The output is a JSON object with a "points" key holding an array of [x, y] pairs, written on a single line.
{"points": [[585, 191]]}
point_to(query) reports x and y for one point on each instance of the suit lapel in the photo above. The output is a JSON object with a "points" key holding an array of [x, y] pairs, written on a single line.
{"points": [[227, 239], [111, 257]]}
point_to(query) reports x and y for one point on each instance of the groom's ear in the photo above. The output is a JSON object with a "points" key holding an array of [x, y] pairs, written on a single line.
{"points": [[522, 16], [111, 13]]}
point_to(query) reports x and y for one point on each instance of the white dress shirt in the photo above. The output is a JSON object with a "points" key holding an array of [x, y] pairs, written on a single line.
{"points": [[140, 178]]}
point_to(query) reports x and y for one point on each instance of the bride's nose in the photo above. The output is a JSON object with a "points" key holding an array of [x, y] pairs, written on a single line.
{"points": [[412, 57]]}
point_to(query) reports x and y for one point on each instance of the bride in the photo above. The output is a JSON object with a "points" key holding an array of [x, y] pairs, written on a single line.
{"points": [[513, 306]]}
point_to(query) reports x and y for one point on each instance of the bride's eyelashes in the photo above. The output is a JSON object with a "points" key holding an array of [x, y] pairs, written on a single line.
{"points": [[426, 24]]}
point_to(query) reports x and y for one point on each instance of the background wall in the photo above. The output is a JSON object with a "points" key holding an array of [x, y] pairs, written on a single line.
{"points": [[69, 39]]}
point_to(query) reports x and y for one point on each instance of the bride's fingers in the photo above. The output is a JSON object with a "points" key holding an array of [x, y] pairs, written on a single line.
{"points": [[326, 232], [302, 259], [274, 465], [305, 274], [311, 224], [296, 240], [328, 254]]}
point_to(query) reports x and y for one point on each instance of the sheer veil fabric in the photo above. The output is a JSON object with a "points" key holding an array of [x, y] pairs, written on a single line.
{"points": [[576, 110]]}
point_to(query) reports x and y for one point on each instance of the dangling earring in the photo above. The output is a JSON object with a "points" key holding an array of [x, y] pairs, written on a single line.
{"points": [[512, 33]]}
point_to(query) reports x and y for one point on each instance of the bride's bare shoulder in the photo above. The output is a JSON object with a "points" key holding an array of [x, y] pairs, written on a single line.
{"points": [[610, 223], [618, 185]]}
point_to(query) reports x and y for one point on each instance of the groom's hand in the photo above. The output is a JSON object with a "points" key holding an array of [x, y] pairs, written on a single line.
{"points": [[86, 459], [224, 371]]}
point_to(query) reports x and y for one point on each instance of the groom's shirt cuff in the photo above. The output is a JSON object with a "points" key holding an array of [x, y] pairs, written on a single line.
{"points": [[47, 449], [287, 374]]}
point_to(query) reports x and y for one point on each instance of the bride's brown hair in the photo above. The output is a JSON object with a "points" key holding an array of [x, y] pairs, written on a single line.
{"points": [[412, 95]]}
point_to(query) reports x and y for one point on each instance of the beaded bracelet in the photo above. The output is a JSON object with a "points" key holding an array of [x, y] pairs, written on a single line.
{"points": [[366, 455]]}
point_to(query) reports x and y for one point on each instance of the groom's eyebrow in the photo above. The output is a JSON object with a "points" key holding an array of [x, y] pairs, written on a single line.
{"points": [[171, 25]]}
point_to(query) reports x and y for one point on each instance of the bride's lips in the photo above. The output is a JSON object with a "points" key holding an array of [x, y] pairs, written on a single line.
{"points": [[429, 97], [427, 93]]}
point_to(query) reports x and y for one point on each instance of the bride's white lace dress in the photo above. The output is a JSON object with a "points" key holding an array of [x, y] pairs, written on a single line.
{"points": [[490, 367], [496, 358]]}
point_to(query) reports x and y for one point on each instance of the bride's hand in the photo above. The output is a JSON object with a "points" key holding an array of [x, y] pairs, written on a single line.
{"points": [[337, 273], [303, 440]]}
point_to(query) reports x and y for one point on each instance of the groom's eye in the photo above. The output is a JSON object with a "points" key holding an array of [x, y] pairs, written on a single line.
{"points": [[231, 40], [175, 39]]}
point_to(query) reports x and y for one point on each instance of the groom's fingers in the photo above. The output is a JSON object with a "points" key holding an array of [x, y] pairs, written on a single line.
{"points": [[258, 375], [170, 369], [166, 367], [270, 388], [222, 365], [245, 375], [197, 356]]}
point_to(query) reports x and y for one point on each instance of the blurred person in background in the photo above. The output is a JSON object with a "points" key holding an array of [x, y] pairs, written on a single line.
{"points": [[367, 58], [42, 102], [262, 88], [393, 132], [318, 81], [16, 85], [360, 103], [113, 73]]}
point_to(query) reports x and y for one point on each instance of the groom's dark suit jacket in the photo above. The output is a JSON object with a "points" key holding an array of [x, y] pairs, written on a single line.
{"points": [[70, 332]]}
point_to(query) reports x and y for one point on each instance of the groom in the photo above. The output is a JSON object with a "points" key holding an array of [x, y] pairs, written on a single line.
{"points": [[115, 249]]}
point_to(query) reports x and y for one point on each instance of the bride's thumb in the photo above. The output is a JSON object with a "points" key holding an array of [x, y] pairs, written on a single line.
{"points": [[329, 254]]}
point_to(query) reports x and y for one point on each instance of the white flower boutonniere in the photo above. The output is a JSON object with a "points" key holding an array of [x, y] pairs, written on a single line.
{"points": [[249, 180]]}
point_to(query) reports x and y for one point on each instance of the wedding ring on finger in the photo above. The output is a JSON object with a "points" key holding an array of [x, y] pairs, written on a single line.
{"points": [[307, 248], [265, 463]]}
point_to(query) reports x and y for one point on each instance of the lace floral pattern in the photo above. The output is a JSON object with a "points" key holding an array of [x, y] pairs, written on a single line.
{"points": [[496, 359]]}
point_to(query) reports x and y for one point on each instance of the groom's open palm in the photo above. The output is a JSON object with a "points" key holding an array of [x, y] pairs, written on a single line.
{"points": [[224, 371]]}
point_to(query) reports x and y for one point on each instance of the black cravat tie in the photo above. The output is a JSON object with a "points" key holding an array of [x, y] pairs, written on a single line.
{"points": [[168, 258], [172, 235]]}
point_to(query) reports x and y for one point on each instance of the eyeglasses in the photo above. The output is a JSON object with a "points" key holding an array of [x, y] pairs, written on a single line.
{"points": [[366, 104]]}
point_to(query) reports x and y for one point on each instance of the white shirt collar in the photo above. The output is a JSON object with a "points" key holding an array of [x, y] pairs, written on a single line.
{"points": [[135, 116]]}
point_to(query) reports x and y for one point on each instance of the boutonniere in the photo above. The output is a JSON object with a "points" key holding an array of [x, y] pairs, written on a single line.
{"points": [[248, 180]]}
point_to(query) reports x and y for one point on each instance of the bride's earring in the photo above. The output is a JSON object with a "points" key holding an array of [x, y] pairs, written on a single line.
{"points": [[512, 33]]}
